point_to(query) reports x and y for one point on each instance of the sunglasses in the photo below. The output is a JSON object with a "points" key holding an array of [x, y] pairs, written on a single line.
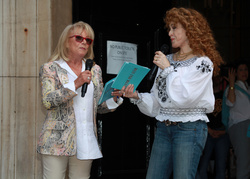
{"points": [[79, 39]]}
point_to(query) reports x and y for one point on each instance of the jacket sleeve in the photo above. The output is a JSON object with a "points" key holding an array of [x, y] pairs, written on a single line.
{"points": [[53, 92], [97, 79]]}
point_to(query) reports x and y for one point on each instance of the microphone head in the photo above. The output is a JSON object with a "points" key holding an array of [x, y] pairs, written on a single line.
{"points": [[164, 48], [88, 64]]}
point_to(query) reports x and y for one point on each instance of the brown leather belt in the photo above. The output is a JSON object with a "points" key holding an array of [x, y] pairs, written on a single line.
{"points": [[169, 123]]}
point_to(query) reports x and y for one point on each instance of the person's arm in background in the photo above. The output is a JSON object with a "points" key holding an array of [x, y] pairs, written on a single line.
{"points": [[231, 91]]}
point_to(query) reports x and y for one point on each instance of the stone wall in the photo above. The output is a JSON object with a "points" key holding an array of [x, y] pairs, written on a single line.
{"points": [[29, 32]]}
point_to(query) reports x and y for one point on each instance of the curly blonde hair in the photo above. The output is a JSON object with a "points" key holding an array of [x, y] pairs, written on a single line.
{"points": [[198, 32]]}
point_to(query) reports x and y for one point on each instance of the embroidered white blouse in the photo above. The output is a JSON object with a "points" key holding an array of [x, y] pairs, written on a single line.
{"points": [[87, 145], [182, 92]]}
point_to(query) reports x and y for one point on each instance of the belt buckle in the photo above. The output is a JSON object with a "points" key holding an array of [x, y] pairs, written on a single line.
{"points": [[167, 123]]}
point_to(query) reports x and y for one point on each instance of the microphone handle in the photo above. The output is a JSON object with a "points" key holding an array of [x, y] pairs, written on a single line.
{"points": [[88, 66], [151, 75], [84, 89]]}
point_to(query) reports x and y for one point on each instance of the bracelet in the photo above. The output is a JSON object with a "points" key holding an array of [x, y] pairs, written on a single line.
{"points": [[165, 72], [231, 88], [136, 101]]}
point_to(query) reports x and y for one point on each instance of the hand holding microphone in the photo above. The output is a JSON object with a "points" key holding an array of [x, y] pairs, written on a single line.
{"points": [[84, 78], [88, 66], [160, 60]]}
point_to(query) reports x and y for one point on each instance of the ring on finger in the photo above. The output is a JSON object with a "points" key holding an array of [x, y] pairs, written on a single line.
{"points": [[88, 78]]}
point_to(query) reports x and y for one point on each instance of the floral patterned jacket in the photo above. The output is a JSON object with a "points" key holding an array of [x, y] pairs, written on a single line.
{"points": [[58, 135]]}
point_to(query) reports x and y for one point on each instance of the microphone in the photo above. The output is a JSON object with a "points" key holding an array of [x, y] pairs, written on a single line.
{"points": [[164, 49], [88, 66]]}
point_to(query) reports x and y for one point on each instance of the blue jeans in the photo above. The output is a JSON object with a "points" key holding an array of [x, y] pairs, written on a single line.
{"points": [[177, 148], [220, 146]]}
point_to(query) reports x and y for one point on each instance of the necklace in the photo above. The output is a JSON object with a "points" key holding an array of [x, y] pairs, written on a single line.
{"points": [[181, 57]]}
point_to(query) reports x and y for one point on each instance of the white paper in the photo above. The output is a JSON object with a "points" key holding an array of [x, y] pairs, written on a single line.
{"points": [[118, 53]]}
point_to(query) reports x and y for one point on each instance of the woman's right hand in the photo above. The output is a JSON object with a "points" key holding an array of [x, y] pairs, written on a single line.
{"points": [[84, 77], [161, 60]]}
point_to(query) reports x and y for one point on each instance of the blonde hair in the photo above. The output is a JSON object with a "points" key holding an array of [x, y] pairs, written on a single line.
{"points": [[198, 31], [61, 50]]}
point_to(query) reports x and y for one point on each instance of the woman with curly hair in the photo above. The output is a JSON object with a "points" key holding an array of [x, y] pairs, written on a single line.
{"points": [[181, 96]]}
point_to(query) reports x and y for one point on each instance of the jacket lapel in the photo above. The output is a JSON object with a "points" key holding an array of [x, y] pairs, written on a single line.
{"points": [[62, 74]]}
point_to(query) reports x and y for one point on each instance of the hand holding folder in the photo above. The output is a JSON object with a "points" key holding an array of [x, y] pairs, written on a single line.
{"points": [[129, 74]]}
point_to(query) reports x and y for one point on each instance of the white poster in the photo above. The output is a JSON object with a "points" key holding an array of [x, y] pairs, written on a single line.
{"points": [[118, 53]]}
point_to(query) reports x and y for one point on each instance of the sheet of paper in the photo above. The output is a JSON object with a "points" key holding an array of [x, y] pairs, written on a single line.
{"points": [[118, 53]]}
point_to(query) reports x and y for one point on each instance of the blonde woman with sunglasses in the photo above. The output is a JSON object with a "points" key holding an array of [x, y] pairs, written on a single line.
{"points": [[68, 137]]}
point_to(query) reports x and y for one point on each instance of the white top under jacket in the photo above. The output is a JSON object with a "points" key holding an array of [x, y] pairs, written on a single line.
{"points": [[87, 145], [239, 110], [182, 92]]}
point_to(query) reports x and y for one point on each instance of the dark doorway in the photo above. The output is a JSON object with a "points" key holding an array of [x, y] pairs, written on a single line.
{"points": [[125, 135]]}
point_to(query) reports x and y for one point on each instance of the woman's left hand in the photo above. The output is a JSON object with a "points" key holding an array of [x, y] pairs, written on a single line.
{"points": [[161, 60], [116, 93]]}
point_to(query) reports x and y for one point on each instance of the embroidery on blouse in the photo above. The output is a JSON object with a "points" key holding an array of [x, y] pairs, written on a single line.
{"points": [[175, 65], [180, 112], [161, 82], [178, 64], [204, 67], [161, 86]]}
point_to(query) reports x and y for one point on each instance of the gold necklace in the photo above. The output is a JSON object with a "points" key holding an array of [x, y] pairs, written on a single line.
{"points": [[180, 57]]}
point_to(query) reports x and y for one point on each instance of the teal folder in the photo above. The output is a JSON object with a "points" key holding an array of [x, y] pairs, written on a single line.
{"points": [[129, 73], [106, 93]]}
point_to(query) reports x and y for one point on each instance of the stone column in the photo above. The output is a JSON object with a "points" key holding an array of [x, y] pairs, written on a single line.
{"points": [[29, 32]]}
